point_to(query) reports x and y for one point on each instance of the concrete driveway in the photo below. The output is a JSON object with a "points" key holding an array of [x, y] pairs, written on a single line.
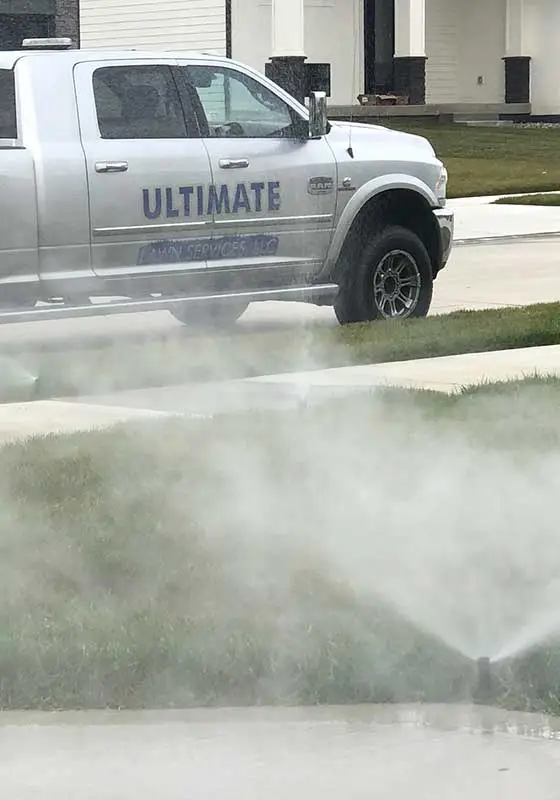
{"points": [[515, 272], [358, 753]]}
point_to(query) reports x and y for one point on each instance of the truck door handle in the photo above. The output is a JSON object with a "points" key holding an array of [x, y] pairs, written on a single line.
{"points": [[234, 163], [111, 166]]}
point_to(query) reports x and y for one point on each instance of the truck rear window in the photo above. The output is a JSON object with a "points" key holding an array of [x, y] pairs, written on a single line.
{"points": [[8, 116]]}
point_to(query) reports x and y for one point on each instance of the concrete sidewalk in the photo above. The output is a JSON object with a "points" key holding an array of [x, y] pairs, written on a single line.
{"points": [[476, 219], [446, 374], [272, 392], [19, 421]]}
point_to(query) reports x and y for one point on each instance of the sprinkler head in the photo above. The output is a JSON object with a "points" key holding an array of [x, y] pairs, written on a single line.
{"points": [[484, 689]]}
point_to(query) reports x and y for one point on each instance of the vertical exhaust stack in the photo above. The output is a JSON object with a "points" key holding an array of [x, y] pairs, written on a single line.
{"points": [[484, 692]]}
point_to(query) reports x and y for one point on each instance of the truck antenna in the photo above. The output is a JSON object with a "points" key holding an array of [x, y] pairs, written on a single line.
{"points": [[350, 149]]}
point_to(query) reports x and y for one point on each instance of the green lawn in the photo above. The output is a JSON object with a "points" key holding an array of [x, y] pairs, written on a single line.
{"points": [[529, 200], [320, 556], [494, 160], [184, 357]]}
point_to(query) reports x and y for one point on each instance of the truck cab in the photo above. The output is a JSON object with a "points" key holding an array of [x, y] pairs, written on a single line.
{"points": [[193, 183]]}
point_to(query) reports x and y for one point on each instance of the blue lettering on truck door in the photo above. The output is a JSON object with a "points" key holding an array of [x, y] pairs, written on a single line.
{"points": [[218, 202], [201, 201], [226, 247]]}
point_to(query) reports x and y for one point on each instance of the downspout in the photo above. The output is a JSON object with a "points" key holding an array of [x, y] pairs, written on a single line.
{"points": [[228, 29]]}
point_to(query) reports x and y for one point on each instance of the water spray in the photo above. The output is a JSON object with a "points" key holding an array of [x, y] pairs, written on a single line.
{"points": [[17, 383], [484, 692]]}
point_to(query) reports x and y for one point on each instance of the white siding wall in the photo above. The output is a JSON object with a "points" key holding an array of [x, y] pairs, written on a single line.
{"points": [[542, 43], [442, 49], [465, 40], [481, 50], [251, 32], [157, 24], [333, 33]]}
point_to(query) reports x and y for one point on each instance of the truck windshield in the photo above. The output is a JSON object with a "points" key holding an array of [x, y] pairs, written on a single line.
{"points": [[8, 116]]}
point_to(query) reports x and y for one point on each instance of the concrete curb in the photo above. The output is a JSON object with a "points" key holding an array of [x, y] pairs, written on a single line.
{"points": [[504, 238], [485, 199]]}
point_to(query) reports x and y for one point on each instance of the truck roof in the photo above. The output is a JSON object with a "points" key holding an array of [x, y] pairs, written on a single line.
{"points": [[9, 58]]}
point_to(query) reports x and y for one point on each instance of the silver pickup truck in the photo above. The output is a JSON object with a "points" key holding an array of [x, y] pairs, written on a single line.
{"points": [[135, 181]]}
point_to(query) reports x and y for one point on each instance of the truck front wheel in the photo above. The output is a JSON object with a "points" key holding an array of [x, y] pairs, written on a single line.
{"points": [[392, 279], [209, 315]]}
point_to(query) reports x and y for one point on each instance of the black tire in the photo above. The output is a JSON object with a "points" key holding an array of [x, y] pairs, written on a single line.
{"points": [[391, 280], [209, 315]]}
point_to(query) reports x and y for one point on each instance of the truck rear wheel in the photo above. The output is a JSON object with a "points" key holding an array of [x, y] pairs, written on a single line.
{"points": [[391, 280], [209, 315]]}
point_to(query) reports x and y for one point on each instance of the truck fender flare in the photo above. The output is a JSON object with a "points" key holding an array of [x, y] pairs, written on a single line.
{"points": [[364, 194]]}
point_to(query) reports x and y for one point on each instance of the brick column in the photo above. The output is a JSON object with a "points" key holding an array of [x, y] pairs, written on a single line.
{"points": [[67, 19], [518, 79], [410, 50], [410, 78]]}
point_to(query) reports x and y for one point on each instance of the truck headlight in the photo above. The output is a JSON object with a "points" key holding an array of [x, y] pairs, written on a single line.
{"points": [[441, 187]]}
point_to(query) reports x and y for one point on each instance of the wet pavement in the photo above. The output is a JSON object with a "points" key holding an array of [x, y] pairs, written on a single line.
{"points": [[355, 753]]}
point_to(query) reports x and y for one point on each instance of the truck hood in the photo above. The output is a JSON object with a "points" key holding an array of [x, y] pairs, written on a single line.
{"points": [[368, 135]]}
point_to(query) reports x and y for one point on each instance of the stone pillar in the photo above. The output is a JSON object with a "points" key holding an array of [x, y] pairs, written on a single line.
{"points": [[67, 20], [517, 62], [287, 62], [410, 50]]}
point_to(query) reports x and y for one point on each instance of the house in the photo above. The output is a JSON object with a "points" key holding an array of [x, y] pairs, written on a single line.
{"points": [[453, 55], [422, 56], [160, 24], [25, 19]]}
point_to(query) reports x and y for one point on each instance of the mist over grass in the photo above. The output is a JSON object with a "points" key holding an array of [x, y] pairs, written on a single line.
{"points": [[184, 356], [362, 551]]}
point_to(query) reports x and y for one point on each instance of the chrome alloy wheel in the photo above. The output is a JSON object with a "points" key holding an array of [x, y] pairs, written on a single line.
{"points": [[396, 285]]}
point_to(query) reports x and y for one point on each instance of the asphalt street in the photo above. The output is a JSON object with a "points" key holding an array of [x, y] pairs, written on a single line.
{"points": [[515, 272]]}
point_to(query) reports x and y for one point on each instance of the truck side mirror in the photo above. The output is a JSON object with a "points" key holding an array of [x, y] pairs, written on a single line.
{"points": [[318, 122]]}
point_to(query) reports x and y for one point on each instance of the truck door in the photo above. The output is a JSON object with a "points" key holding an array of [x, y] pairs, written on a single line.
{"points": [[145, 166], [274, 194]]}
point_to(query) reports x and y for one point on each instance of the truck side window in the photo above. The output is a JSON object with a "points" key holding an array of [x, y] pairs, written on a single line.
{"points": [[8, 115], [138, 102], [236, 105]]}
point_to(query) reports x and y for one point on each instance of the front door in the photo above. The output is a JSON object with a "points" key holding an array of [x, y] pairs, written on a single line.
{"points": [[379, 46], [273, 195], [145, 166]]}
